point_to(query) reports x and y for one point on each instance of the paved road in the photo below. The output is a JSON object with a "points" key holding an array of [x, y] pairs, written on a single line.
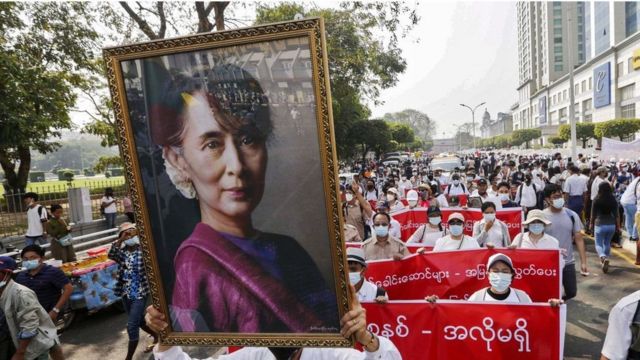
{"points": [[103, 335]]}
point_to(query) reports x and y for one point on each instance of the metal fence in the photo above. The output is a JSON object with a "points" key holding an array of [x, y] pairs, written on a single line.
{"points": [[13, 211]]}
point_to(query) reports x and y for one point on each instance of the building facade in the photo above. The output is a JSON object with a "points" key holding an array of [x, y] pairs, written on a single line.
{"points": [[599, 39], [494, 127], [444, 145]]}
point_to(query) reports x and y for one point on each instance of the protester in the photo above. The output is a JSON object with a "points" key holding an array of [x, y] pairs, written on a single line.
{"points": [[60, 231], [566, 227], [489, 231], [505, 196], [351, 233], [367, 291], [356, 210], [412, 199], [427, 234], [354, 324], [33, 333], [108, 207], [382, 245], [622, 340], [37, 217], [395, 227], [128, 208], [527, 194], [605, 222], [51, 285], [132, 284], [629, 201], [535, 237], [456, 187], [483, 194], [456, 239], [574, 189], [393, 200]]}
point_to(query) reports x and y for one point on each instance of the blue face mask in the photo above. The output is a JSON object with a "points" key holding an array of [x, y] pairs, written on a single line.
{"points": [[536, 228], [354, 278], [30, 264], [382, 231], [456, 230], [133, 241], [434, 220]]}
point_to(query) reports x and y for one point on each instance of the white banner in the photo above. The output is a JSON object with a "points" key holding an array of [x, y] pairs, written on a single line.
{"points": [[619, 150]]}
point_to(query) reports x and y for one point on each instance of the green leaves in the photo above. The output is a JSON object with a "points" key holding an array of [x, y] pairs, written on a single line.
{"points": [[620, 128]]}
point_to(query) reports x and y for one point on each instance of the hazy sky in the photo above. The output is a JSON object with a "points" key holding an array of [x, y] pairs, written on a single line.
{"points": [[467, 53]]}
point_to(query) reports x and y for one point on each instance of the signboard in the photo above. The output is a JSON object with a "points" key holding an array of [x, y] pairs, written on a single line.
{"points": [[542, 110], [612, 148], [602, 85], [635, 63]]}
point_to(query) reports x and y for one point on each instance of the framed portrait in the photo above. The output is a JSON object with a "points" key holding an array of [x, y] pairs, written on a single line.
{"points": [[228, 145]]}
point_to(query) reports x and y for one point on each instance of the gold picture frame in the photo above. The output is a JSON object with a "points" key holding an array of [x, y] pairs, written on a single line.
{"points": [[277, 50]]}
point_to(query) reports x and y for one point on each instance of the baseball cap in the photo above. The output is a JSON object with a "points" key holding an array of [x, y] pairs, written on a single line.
{"points": [[499, 257], [356, 254], [456, 215], [412, 195], [433, 210], [482, 181], [602, 169], [7, 264]]}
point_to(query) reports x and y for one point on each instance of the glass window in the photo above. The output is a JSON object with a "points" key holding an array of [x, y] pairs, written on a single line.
{"points": [[557, 40], [575, 89], [620, 69], [583, 85], [557, 21], [629, 65], [629, 111], [587, 118], [627, 92], [587, 104], [590, 83], [564, 95], [557, 67]]}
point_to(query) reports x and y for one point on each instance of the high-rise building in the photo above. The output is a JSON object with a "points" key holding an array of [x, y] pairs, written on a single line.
{"points": [[555, 36]]}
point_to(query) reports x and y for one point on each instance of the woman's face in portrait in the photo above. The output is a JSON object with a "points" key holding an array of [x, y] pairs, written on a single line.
{"points": [[226, 168]]}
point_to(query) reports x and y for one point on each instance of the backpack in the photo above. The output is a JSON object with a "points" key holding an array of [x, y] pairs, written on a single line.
{"points": [[449, 188], [47, 214], [539, 196]]}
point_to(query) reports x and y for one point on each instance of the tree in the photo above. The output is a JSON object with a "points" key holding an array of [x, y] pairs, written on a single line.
{"points": [[401, 133], [43, 60], [523, 136], [371, 135], [620, 128], [423, 126], [584, 132], [105, 161], [557, 140]]}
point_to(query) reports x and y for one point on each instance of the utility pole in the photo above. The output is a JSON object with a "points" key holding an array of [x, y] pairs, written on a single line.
{"points": [[572, 110], [473, 120]]}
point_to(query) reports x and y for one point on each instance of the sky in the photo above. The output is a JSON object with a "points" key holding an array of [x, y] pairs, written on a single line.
{"points": [[466, 53]]}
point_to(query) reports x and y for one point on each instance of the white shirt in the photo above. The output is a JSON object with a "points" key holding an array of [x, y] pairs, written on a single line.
{"points": [[371, 195], [111, 208], [488, 198], [398, 205], [456, 190], [545, 242], [368, 292], [386, 351], [515, 297], [425, 235], [594, 186], [444, 180], [35, 221], [526, 195], [631, 195], [575, 185], [447, 243], [618, 339]]}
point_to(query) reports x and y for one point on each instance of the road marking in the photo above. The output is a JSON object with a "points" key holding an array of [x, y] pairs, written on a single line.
{"points": [[621, 253]]}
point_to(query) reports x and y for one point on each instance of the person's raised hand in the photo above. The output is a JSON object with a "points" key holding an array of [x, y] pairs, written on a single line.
{"points": [[488, 225], [355, 187], [354, 322]]}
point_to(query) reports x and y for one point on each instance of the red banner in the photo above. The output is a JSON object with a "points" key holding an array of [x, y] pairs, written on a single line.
{"points": [[411, 220], [457, 276], [464, 330]]}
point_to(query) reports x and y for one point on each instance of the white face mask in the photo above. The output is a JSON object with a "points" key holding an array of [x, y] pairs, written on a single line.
{"points": [[412, 203], [435, 220], [500, 281], [558, 203], [456, 182], [390, 197], [133, 241], [489, 217], [348, 197], [536, 229], [503, 197], [354, 278]]}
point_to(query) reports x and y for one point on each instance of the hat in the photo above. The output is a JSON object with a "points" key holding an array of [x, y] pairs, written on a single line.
{"points": [[392, 190], [534, 215], [499, 257], [124, 227], [356, 254], [412, 195], [423, 186], [482, 181], [602, 169], [456, 215], [7, 264], [432, 210]]}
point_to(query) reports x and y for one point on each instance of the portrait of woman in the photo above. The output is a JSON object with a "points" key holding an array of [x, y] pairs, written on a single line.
{"points": [[229, 275]]}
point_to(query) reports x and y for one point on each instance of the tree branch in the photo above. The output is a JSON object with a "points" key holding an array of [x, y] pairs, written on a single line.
{"points": [[163, 19], [142, 24], [204, 25], [210, 7]]}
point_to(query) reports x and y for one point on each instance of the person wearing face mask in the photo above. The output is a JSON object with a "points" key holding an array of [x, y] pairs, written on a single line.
{"points": [[504, 195], [366, 290], [32, 330], [440, 177], [403, 186], [132, 284], [567, 228], [356, 209], [382, 245], [575, 188], [527, 194], [489, 231], [602, 173], [371, 193], [427, 234], [535, 237], [424, 195], [393, 200], [456, 239], [60, 231], [482, 193], [413, 199], [51, 285], [456, 187]]}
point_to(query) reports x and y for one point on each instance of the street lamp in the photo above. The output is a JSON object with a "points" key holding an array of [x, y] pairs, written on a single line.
{"points": [[473, 120]]}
